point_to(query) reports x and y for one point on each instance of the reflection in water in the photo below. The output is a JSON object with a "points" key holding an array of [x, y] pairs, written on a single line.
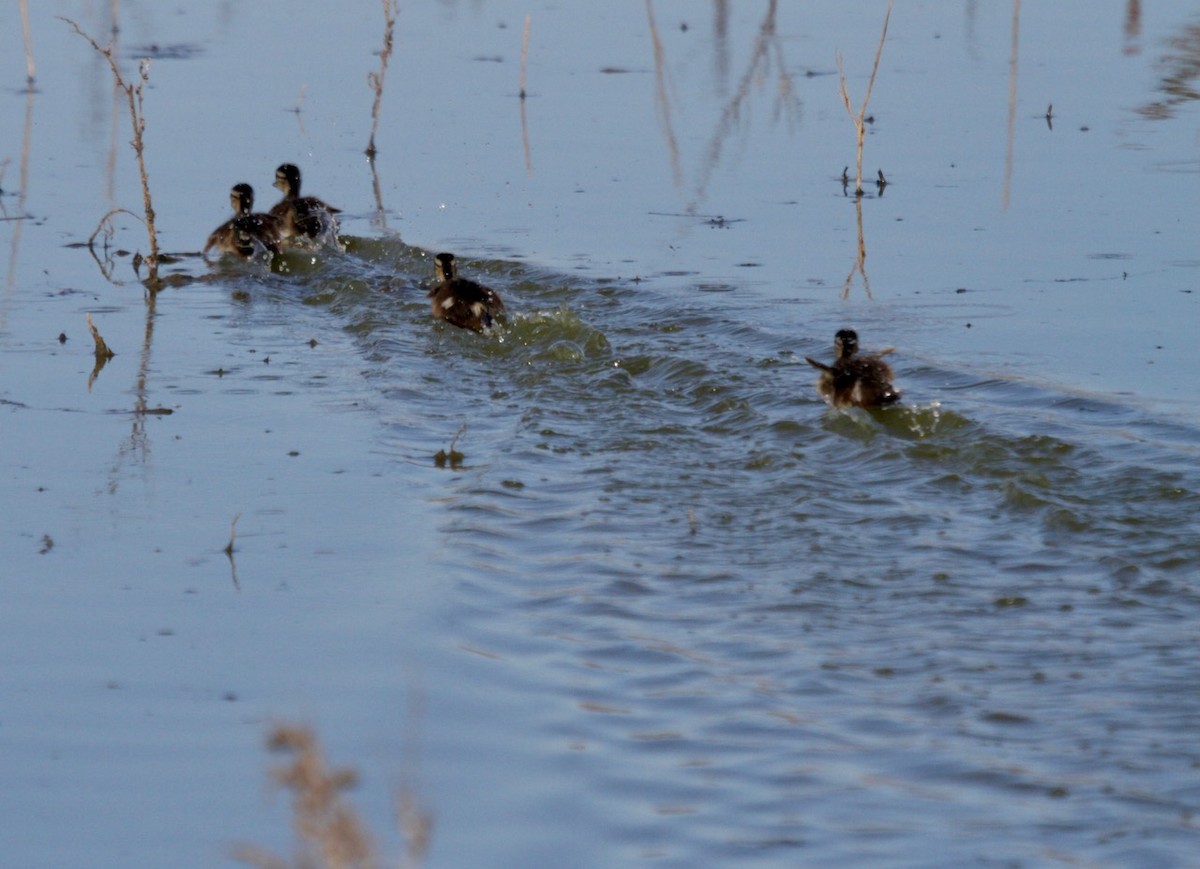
{"points": [[229, 548], [662, 100], [524, 120], [970, 15], [20, 217], [299, 112], [767, 52], [1179, 84], [860, 261], [721, 45], [138, 444], [1133, 27], [1012, 104]]}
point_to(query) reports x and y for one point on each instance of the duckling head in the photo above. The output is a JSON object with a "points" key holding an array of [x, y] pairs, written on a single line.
{"points": [[287, 179], [445, 267], [845, 343], [241, 197]]}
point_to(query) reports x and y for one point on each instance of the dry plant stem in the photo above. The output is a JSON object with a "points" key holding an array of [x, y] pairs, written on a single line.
{"points": [[462, 428], [102, 349], [30, 69], [859, 119], [524, 119], [134, 94], [106, 222], [1012, 106], [525, 53], [375, 79], [232, 535]]}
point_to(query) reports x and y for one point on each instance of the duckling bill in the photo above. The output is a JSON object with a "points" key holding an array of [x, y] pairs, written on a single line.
{"points": [[462, 302], [248, 235], [853, 380], [303, 219]]}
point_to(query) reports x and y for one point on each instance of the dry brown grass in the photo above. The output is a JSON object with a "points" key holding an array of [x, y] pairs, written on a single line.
{"points": [[329, 832]]}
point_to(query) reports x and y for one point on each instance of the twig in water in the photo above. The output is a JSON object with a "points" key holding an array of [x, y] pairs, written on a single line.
{"points": [[375, 79], [137, 118], [859, 118]]}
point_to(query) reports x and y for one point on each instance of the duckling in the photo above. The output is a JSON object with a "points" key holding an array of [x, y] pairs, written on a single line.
{"points": [[248, 235], [461, 302], [852, 380], [304, 219]]}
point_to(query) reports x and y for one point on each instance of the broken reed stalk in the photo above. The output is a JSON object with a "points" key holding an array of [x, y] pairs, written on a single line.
{"points": [[103, 353], [525, 53], [30, 69], [375, 79], [859, 119], [137, 119]]}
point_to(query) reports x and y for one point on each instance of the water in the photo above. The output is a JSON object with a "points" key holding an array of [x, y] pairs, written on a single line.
{"points": [[669, 609]]}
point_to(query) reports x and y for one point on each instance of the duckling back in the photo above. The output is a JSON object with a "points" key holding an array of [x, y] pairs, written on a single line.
{"points": [[855, 380], [462, 302]]}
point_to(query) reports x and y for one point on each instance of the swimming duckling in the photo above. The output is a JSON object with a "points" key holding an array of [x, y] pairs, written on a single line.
{"points": [[304, 219], [248, 235], [462, 302], [852, 380]]}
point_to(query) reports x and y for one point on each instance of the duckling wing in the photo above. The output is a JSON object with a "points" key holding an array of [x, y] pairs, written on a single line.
{"points": [[221, 238], [821, 366]]}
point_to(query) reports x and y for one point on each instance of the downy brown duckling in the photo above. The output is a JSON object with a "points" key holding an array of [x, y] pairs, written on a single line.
{"points": [[248, 235], [304, 219], [853, 380], [462, 302]]}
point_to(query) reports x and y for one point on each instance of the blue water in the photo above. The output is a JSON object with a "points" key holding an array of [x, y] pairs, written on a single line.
{"points": [[669, 609]]}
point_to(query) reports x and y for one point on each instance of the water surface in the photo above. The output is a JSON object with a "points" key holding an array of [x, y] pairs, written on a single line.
{"points": [[669, 609]]}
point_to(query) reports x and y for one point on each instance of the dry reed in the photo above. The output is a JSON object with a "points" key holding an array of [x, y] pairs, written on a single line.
{"points": [[859, 118], [134, 94], [375, 79], [525, 54], [1011, 127], [30, 69]]}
